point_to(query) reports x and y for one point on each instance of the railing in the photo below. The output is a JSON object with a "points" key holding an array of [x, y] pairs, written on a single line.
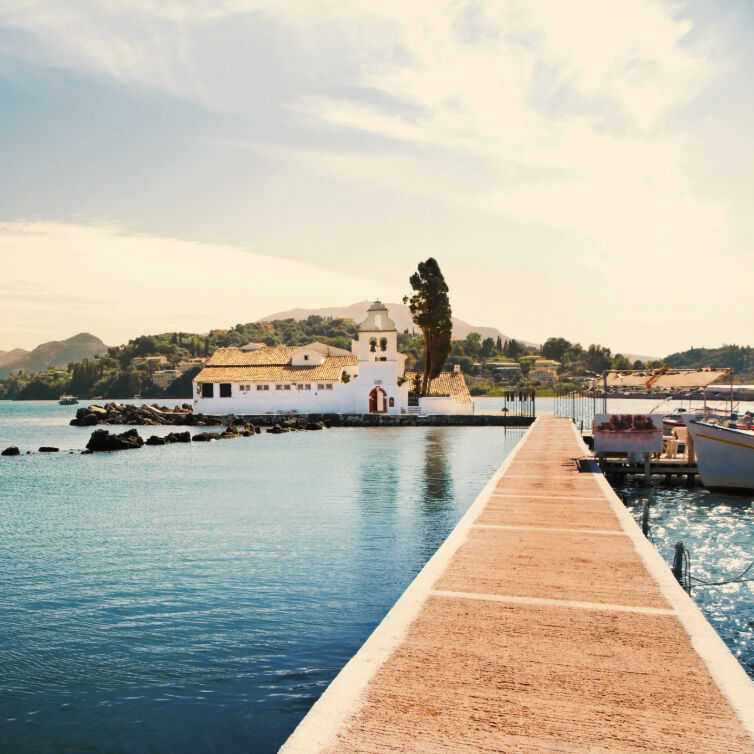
{"points": [[519, 403], [579, 406]]}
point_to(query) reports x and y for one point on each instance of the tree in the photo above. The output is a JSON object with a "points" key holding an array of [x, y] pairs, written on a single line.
{"points": [[473, 344], [621, 363], [598, 358], [555, 348], [499, 344], [430, 310], [488, 348]]}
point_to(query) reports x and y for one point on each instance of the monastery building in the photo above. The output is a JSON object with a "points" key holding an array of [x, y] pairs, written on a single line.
{"points": [[317, 378]]}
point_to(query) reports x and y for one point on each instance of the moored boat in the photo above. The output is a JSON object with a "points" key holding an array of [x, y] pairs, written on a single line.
{"points": [[67, 400], [724, 455]]}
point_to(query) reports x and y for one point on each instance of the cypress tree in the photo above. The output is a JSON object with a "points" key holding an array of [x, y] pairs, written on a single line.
{"points": [[430, 310]]}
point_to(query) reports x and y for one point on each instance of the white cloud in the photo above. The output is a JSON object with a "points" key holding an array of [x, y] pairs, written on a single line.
{"points": [[60, 279], [447, 120]]}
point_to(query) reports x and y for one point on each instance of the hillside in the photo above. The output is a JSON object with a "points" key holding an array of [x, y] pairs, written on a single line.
{"points": [[738, 358], [8, 357], [399, 313], [55, 353]]}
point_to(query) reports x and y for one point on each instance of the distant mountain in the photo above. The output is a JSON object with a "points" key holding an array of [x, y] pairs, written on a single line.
{"points": [[56, 353], [399, 313], [8, 357]]}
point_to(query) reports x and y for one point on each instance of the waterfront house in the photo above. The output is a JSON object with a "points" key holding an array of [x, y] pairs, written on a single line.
{"points": [[544, 370], [318, 378]]}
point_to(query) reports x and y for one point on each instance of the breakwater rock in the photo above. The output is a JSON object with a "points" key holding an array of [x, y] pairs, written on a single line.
{"points": [[102, 440], [169, 439], [142, 415], [11, 450]]}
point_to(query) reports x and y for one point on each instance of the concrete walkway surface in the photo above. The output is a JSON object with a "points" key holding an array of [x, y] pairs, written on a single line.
{"points": [[545, 623]]}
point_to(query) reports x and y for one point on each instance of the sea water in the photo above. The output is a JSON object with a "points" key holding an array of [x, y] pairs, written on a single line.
{"points": [[200, 597]]}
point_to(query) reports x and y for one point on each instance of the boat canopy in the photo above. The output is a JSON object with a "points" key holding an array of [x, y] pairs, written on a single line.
{"points": [[672, 378]]}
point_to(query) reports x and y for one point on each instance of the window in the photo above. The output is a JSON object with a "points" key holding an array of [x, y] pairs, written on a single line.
{"points": [[328, 386], [391, 402], [286, 387], [383, 344], [278, 387], [320, 387], [306, 357], [383, 358], [208, 390], [372, 344], [307, 387], [261, 387], [299, 387], [266, 387], [225, 389]]}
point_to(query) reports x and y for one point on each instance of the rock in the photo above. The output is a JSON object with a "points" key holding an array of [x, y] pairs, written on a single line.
{"points": [[155, 440], [277, 430], [85, 420], [102, 440], [206, 436], [178, 437], [99, 411], [11, 450], [48, 449]]}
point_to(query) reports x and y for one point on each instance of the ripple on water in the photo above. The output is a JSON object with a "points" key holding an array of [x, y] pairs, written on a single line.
{"points": [[199, 599], [718, 531]]}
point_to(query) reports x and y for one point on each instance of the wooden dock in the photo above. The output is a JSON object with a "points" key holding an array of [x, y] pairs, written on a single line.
{"points": [[545, 623]]}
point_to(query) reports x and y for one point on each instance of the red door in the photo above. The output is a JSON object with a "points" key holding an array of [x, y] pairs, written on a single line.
{"points": [[377, 402]]}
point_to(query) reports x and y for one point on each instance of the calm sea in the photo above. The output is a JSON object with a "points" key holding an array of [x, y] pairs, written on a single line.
{"points": [[200, 597]]}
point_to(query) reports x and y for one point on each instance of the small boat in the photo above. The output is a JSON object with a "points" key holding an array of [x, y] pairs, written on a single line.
{"points": [[724, 455], [68, 400]]}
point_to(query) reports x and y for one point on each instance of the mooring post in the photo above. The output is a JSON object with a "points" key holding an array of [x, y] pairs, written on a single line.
{"points": [[678, 562], [647, 473], [645, 516]]}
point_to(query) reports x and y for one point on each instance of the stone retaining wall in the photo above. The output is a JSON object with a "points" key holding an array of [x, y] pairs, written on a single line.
{"points": [[385, 420]]}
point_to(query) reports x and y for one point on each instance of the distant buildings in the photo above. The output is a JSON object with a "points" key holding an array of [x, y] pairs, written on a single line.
{"points": [[544, 370]]}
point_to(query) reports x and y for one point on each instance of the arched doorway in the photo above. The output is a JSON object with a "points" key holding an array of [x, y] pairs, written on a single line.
{"points": [[377, 402]]}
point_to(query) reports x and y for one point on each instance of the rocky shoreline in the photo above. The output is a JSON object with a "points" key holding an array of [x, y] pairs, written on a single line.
{"points": [[133, 415], [142, 415], [233, 426]]}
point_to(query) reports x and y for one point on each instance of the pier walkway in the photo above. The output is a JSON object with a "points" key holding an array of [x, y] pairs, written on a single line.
{"points": [[545, 623]]}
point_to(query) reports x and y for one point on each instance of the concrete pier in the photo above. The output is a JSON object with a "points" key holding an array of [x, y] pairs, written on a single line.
{"points": [[545, 623]]}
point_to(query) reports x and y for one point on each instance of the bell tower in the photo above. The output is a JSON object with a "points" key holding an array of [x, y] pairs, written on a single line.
{"points": [[378, 337]]}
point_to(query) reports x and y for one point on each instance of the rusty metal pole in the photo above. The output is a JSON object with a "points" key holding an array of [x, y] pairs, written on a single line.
{"points": [[645, 516], [678, 562]]}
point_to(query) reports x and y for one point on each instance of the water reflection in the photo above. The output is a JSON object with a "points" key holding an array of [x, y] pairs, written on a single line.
{"points": [[438, 483], [437, 503]]}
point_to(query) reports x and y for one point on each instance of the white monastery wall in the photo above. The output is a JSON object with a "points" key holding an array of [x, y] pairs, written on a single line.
{"points": [[428, 406]]}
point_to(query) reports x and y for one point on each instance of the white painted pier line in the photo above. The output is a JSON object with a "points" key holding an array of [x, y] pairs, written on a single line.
{"points": [[608, 607]]}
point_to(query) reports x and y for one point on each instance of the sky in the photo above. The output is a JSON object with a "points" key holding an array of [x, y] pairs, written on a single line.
{"points": [[581, 170]]}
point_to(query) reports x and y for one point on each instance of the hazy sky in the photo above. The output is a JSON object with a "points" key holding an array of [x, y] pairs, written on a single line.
{"points": [[580, 169]]}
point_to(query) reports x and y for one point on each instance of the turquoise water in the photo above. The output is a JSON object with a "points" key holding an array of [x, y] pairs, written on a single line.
{"points": [[718, 531], [199, 598]]}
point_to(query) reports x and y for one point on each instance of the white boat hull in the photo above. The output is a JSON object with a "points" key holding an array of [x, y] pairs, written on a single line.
{"points": [[724, 456]]}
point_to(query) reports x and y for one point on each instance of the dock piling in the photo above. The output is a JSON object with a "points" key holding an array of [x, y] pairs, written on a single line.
{"points": [[645, 516]]}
